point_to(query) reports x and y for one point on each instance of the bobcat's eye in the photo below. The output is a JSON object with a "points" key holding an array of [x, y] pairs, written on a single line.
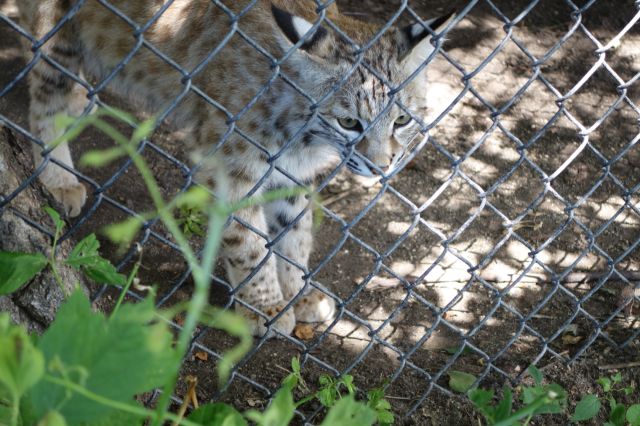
{"points": [[350, 124], [402, 120]]}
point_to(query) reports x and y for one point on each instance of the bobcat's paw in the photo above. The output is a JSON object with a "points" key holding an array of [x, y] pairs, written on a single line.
{"points": [[285, 324], [72, 197], [315, 307]]}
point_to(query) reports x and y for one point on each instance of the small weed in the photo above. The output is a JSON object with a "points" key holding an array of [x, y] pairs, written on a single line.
{"points": [[546, 399], [192, 220], [535, 400]]}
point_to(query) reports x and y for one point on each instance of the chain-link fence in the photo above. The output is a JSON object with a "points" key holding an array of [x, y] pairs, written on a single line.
{"points": [[511, 237]]}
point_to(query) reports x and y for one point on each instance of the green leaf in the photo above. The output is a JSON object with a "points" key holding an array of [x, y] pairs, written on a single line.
{"points": [[62, 121], [617, 415], [85, 257], [617, 378], [374, 396], [279, 413], [53, 418], [118, 418], [194, 198], [294, 378], [587, 408], [118, 114], [217, 414], [382, 407], [325, 380], [460, 381], [628, 390], [17, 269], [85, 252], [55, 216], [503, 410], [27, 414], [124, 232], [115, 358], [295, 365], [605, 382], [348, 412], [327, 396], [383, 404], [385, 417], [21, 364], [143, 130], [559, 397], [103, 272], [633, 415], [530, 394], [5, 414], [101, 157], [480, 397], [536, 374], [347, 381]]}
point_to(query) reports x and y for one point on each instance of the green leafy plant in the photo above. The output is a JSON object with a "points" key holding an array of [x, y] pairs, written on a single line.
{"points": [[331, 393], [546, 399], [192, 220], [343, 410], [586, 409], [382, 407], [535, 400], [619, 414], [17, 269]]}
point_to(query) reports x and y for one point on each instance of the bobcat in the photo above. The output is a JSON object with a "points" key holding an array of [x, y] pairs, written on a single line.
{"points": [[257, 86]]}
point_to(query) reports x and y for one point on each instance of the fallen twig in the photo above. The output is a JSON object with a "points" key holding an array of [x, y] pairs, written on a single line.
{"points": [[622, 365]]}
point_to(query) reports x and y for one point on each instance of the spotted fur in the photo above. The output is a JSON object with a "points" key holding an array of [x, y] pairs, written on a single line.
{"points": [[259, 124]]}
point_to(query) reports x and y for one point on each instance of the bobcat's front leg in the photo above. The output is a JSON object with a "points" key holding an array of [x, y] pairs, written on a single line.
{"points": [[245, 253], [51, 93], [295, 244]]}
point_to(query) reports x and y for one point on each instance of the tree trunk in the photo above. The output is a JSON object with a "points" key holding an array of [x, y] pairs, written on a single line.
{"points": [[36, 303]]}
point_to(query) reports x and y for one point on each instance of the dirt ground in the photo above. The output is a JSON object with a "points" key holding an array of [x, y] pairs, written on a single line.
{"points": [[525, 281]]}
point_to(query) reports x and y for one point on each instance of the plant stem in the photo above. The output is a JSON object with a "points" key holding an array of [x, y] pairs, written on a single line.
{"points": [[201, 279], [201, 273], [126, 287], [54, 263], [116, 405], [56, 275], [15, 410]]}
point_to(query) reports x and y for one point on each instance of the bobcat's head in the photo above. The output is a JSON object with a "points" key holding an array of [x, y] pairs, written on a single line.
{"points": [[370, 95]]}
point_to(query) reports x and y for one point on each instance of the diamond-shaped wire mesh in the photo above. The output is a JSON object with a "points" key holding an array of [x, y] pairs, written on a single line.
{"points": [[519, 217]]}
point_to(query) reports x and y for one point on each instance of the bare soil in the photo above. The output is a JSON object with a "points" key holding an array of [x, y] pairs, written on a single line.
{"points": [[524, 281]]}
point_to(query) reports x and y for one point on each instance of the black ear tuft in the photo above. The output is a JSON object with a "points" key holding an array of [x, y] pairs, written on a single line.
{"points": [[417, 32], [295, 28]]}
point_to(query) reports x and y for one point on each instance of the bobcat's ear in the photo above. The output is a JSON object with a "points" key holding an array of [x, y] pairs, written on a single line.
{"points": [[295, 28], [417, 40]]}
